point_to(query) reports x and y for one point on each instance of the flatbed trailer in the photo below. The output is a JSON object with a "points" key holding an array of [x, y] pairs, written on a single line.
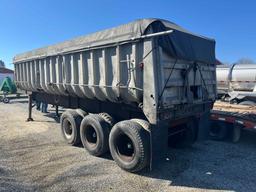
{"points": [[229, 119]]}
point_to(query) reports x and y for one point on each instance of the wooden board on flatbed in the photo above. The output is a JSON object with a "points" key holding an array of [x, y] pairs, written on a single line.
{"points": [[235, 110], [223, 106]]}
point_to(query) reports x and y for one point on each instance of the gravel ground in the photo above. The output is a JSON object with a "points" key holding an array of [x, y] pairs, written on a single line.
{"points": [[34, 157]]}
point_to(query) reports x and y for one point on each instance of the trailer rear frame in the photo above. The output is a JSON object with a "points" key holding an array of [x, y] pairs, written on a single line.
{"points": [[239, 119]]}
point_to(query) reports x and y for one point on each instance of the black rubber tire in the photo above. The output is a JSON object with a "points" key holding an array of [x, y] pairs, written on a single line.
{"points": [[188, 137], [129, 145], [94, 131], [108, 118], [81, 112], [218, 131], [70, 127], [6, 100]]}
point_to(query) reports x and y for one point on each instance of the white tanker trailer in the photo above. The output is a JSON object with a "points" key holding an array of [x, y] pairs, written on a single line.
{"points": [[237, 83]]}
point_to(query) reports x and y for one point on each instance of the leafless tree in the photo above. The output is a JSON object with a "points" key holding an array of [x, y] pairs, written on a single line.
{"points": [[2, 64], [246, 61]]}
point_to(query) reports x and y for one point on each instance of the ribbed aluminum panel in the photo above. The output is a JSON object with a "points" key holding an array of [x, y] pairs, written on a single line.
{"points": [[110, 73], [184, 84]]}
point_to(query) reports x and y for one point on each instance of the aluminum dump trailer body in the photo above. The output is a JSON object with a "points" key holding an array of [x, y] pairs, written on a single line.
{"points": [[127, 64], [129, 88]]}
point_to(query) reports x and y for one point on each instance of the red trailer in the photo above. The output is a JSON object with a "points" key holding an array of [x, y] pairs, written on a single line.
{"points": [[229, 119]]}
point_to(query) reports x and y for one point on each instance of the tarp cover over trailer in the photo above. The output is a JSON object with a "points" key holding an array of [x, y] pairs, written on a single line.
{"points": [[181, 44], [110, 58]]}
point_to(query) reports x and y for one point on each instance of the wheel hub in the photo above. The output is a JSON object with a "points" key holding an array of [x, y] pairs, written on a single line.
{"points": [[125, 148], [91, 135], [68, 131]]}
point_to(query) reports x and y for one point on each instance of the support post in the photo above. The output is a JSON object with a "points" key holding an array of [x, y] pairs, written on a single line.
{"points": [[204, 127], [57, 111], [30, 108]]}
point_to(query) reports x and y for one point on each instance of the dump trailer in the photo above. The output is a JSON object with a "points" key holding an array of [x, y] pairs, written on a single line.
{"points": [[127, 88], [237, 83]]}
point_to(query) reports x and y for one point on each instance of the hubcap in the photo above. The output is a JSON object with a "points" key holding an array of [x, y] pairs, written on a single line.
{"points": [[68, 129], [125, 148], [91, 135]]}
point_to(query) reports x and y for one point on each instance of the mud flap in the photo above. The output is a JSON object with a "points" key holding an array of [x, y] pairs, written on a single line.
{"points": [[158, 143], [236, 133], [203, 126]]}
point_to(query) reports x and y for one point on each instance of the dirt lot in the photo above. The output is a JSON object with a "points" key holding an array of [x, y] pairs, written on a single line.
{"points": [[34, 157]]}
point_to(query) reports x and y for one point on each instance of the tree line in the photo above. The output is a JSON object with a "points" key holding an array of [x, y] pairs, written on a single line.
{"points": [[2, 64], [244, 60]]}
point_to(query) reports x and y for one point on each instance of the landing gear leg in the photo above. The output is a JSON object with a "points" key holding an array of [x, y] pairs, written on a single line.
{"points": [[57, 111], [30, 106]]}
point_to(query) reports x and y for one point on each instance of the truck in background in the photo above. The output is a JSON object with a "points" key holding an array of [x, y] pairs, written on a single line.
{"points": [[237, 83], [236, 108]]}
